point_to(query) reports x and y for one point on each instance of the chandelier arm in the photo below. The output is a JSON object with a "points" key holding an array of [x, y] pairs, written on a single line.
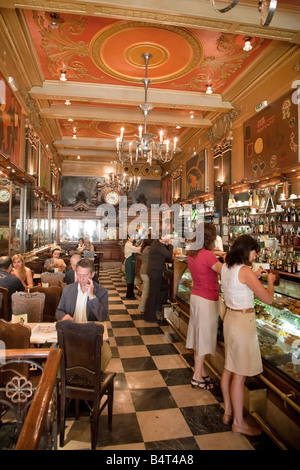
{"points": [[224, 10], [266, 14]]}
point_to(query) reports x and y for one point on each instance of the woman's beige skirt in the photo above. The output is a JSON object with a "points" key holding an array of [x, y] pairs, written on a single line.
{"points": [[242, 353], [203, 324]]}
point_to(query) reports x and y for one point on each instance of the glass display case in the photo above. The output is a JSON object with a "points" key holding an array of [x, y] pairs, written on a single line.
{"points": [[278, 326]]}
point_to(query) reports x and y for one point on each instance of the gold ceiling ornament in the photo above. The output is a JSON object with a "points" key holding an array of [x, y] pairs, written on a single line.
{"points": [[222, 127], [159, 52], [217, 70], [60, 49]]}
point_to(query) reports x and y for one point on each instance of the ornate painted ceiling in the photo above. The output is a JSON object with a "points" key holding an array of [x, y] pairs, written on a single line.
{"points": [[100, 46]]}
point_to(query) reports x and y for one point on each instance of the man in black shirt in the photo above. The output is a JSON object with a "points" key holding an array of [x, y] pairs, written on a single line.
{"points": [[160, 251], [7, 280]]}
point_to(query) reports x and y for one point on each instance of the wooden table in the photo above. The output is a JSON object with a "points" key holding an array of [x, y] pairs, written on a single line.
{"points": [[42, 333]]}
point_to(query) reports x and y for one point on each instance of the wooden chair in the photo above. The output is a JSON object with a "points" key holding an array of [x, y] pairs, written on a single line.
{"points": [[14, 336], [36, 266], [81, 375], [52, 298], [53, 279], [30, 303], [4, 311]]}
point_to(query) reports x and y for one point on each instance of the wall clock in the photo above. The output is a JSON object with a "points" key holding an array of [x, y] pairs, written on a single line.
{"points": [[4, 195], [112, 197]]}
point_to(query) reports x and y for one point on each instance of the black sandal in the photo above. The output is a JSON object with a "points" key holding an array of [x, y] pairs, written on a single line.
{"points": [[202, 385], [209, 380]]}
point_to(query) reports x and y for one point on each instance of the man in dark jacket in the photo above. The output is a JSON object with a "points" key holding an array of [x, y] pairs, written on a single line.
{"points": [[160, 251], [7, 280], [70, 275]]}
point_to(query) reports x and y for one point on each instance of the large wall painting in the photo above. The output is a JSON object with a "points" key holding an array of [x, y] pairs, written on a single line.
{"points": [[271, 138], [196, 174], [10, 123]]}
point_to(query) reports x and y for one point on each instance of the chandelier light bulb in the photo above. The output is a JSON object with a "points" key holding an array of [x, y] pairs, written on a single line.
{"points": [[63, 77], [208, 89], [247, 47]]}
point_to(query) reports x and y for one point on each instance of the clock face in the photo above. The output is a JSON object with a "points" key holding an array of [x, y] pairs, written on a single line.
{"points": [[112, 197], [4, 195]]}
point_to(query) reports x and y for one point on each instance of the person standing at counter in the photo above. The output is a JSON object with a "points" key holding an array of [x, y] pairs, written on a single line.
{"points": [[145, 250], [242, 352], [129, 253], [202, 329], [160, 251]]}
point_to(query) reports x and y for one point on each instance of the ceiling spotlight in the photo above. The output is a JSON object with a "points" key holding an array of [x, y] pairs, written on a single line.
{"points": [[78, 157], [67, 102], [63, 77], [74, 133], [54, 20], [208, 89], [247, 47], [192, 114], [70, 120]]}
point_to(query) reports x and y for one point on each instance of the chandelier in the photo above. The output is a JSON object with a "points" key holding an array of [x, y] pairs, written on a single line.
{"points": [[121, 182], [266, 9], [145, 145]]}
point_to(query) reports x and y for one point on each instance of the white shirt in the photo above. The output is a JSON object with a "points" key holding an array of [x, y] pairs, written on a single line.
{"points": [[80, 308], [129, 248], [237, 295]]}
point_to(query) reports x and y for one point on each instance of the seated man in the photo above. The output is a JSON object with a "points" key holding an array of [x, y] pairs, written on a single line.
{"points": [[7, 280], [70, 275], [85, 300]]}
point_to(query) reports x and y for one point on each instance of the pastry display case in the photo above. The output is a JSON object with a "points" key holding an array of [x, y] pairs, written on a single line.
{"points": [[278, 325], [278, 328]]}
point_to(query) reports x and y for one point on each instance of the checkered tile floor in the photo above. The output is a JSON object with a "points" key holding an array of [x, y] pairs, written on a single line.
{"points": [[155, 407]]}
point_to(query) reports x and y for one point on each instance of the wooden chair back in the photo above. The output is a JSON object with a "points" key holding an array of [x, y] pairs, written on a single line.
{"points": [[30, 303], [81, 375], [4, 311], [53, 279], [14, 336], [52, 298]]}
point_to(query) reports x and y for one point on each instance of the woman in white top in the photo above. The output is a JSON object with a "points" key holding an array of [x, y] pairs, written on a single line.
{"points": [[242, 353]]}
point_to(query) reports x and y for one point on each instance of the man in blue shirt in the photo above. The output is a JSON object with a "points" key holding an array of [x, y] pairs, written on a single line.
{"points": [[9, 281]]}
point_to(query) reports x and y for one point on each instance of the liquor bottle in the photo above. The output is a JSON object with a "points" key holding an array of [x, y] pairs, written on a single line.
{"points": [[271, 226], [279, 227], [298, 264], [294, 217], [261, 226], [237, 218]]}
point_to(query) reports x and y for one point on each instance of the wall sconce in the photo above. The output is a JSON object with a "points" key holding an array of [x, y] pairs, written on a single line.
{"points": [[220, 183], [247, 47], [208, 89], [63, 77], [67, 102], [74, 133]]}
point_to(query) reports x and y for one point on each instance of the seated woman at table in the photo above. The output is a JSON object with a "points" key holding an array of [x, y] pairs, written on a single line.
{"points": [[21, 271], [55, 263], [88, 245], [81, 245]]}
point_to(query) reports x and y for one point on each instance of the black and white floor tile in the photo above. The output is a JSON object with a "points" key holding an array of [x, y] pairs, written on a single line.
{"points": [[155, 407]]}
